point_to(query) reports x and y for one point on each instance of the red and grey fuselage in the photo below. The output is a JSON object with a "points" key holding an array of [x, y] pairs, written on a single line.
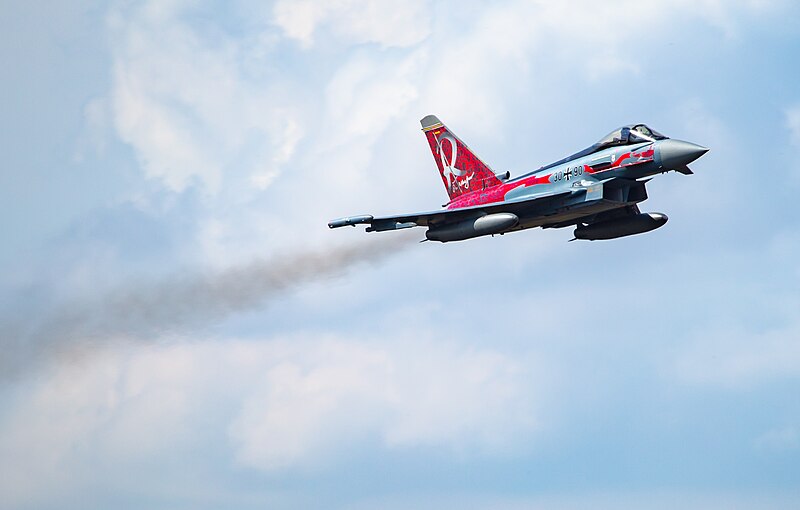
{"points": [[596, 189]]}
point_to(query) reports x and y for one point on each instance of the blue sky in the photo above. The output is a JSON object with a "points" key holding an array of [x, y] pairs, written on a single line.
{"points": [[168, 164]]}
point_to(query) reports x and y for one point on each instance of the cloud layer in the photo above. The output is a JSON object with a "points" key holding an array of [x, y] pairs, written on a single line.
{"points": [[294, 403], [508, 372]]}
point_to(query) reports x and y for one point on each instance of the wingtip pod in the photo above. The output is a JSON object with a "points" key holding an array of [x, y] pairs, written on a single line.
{"points": [[349, 221]]}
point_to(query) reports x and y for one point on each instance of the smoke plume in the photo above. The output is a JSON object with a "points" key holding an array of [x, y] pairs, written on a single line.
{"points": [[146, 311]]}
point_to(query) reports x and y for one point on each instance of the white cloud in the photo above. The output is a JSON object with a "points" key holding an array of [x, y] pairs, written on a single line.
{"points": [[390, 24], [292, 403], [187, 103], [284, 136], [42, 433], [220, 110], [190, 103], [413, 393]]}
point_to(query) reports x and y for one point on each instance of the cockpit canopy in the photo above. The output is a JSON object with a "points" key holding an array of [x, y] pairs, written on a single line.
{"points": [[626, 135]]}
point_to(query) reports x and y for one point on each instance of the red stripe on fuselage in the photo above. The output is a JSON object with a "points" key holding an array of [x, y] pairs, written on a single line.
{"points": [[496, 193], [637, 157]]}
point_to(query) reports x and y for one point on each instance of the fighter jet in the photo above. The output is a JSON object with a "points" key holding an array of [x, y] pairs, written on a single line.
{"points": [[596, 190]]}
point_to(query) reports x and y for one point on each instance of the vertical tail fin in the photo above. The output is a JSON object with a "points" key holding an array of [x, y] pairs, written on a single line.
{"points": [[461, 170]]}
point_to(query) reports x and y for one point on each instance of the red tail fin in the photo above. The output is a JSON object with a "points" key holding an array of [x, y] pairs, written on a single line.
{"points": [[461, 170]]}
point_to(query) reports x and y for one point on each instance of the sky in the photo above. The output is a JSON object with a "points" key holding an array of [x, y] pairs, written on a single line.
{"points": [[180, 329]]}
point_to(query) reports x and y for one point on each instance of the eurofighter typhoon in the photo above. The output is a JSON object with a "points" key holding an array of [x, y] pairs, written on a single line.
{"points": [[596, 190]]}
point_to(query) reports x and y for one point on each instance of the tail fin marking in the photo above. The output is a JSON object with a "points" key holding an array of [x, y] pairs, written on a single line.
{"points": [[461, 170]]}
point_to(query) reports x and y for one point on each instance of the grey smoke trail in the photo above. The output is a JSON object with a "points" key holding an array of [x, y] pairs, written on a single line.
{"points": [[143, 312]]}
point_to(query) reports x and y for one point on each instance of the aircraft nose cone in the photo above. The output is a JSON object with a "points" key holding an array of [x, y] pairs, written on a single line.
{"points": [[677, 153]]}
